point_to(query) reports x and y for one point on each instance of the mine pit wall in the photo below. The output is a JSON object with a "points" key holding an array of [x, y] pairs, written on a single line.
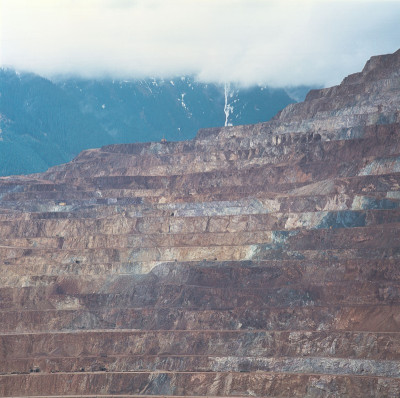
{"points": [[252, 261]]}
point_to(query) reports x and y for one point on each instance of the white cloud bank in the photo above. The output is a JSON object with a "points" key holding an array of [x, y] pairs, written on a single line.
{"points": [[277, 42]]}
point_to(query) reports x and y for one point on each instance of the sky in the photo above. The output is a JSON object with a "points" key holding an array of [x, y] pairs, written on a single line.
{"points": [[273, 42]]}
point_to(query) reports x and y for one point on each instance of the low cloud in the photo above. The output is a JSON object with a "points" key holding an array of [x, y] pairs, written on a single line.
{"points": [[279, 43]]}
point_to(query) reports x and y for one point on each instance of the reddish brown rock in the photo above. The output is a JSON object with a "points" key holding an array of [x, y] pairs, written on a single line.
{"points": [[255, 260]]}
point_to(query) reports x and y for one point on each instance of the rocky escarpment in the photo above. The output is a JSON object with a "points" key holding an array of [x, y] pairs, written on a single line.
{"points": [[258, 260]]}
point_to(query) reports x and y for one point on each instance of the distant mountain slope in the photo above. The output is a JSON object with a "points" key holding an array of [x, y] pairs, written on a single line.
{"points": [[44, 123], [41, 124]]}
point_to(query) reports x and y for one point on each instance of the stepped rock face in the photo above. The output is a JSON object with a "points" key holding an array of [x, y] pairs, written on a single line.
{"points": [[259, 260]]}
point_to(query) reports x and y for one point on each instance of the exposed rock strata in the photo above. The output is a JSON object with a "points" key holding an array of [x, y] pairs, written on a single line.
{"points": [[255, 260]]}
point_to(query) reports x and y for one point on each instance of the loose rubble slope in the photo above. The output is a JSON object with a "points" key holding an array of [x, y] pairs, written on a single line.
{"points": [[259, 260]]}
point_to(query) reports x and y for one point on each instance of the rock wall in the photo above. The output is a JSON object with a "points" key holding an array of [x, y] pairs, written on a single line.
{"points": [[259, 260]]}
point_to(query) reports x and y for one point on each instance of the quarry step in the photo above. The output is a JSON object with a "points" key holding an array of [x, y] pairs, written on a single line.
{"points": [[243, 153], [300, 365], [230, 273], [376, 318], [178, 231], [164, 295], [254, 177], [247, 344], [294, 195], [194, 383]]}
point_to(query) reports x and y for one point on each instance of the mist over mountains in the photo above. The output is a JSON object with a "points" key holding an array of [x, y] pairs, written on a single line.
{"points": [[43, 122]]}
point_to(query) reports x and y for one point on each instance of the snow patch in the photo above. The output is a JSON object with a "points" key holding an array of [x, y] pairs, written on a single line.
{"points": [[146, 84], [184, 106], [228, 109], [183, 100]]}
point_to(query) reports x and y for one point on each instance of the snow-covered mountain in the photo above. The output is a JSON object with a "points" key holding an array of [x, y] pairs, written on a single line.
{"points": [[45, 122]]}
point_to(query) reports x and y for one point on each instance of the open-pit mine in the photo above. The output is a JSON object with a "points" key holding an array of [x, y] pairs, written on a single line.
{"points": [[259, 260]]}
